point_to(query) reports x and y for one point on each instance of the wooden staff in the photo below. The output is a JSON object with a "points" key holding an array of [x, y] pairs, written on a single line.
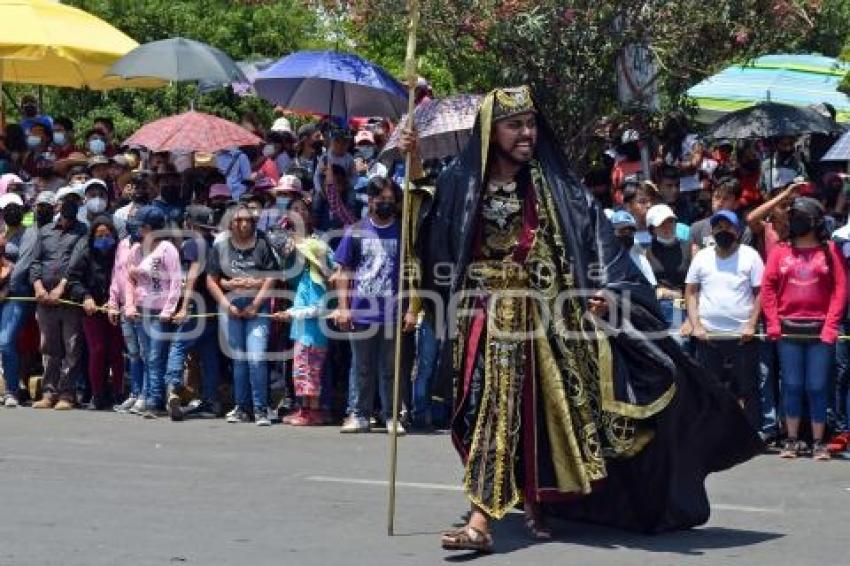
{"points": [[412, 76]]}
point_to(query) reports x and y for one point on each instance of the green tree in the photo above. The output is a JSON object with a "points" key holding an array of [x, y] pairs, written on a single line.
{"points": [[242, 29], [567, 50]]}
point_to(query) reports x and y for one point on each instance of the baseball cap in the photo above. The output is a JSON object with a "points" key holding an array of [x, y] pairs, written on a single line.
{"points": [[46, 197], [10, 198], [726, 215], [219, 190], [8, 179], [623, 219], [364, 136], [97, 183], [151, 216], [96, 160], [199, 215], [657, 214], [289, 184], [76, 190], [282, 125]]}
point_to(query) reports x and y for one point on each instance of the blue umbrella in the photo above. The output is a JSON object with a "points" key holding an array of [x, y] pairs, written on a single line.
{"points": [[332, 83]]}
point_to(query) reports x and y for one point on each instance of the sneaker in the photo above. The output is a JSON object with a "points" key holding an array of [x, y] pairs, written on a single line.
{"points": [[272, 415], [820, 452], [790, 449], [233, 411], [138, 408], [237, 415], [202, 410], [262, 418], [399, 429], [63, 405], [354, 424], [11, 402], [839, 442], [126, 405], [175, 411]]}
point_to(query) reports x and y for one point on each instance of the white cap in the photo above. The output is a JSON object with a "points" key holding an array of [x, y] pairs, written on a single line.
{"points": [[10, 198], [288, 184], [657, 214], [90, 183], [71, 190], [282, 125]]}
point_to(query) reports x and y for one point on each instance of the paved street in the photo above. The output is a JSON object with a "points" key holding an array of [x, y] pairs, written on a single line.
{"points": [[105, 489]]}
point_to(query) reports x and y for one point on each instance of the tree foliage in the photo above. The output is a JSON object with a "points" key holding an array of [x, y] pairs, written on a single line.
{"points": [[567, 50]]}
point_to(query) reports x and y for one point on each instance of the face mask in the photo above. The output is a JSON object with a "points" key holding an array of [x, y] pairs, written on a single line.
{"points": [[33, 142], [385, 210], [13, 216], [666, 241], [367, 152], [97, 146], [800, 225], [725, 240], [141, 197], [103, 243], [318, 146], [59, 138], [44, 217], [96, 205], [30, 110], [627, 242], [268, 150], [69, 210], [282, 203], [752, 166]]}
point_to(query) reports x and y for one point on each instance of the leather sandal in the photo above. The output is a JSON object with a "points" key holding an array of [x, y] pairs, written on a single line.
{"points": [[468, 538]]}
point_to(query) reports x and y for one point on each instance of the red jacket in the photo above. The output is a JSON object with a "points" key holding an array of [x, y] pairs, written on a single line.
{"points": [[803, 284]]}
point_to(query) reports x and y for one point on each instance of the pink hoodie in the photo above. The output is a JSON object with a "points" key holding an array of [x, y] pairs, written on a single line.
{"points": [[154, 281], [119, 273]]}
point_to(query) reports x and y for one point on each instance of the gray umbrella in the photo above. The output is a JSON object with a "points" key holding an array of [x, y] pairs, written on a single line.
{"points": [[178, 59], [770, 120]]}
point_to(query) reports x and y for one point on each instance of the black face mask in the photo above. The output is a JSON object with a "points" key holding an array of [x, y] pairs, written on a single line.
{"points": [[627, 241], [725, 240], [385, 210], [30, 110], [800, 225], [318, 146], [751, 166], [69, 210], [13, 216], [43, 217], [141, 197]]}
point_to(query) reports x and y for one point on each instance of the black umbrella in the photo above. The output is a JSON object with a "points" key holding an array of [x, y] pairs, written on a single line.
{"points": [[770, 120], [179, 59]]}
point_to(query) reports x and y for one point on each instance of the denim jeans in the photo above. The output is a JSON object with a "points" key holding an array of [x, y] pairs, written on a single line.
{"points": [[135, 356], [207, 346], [767, 387], [372, 357], [13, 315], [248, 340], [427, 348], [154, 353], [806, 367], [674, 318], [842, 382]]}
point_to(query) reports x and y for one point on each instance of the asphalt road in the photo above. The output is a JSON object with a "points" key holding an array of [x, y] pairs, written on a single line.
{"points": [[105, 489]]}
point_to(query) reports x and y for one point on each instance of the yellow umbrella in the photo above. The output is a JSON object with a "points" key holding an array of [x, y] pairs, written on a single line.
{"points": [[47, 43]]}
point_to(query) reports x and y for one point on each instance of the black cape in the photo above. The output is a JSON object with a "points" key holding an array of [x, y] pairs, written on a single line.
{"points": [[703, 430]]}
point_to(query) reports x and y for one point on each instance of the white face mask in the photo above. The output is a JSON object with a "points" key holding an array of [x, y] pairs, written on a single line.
{"points": [[666, 241], [268, 150], [96, 205]]}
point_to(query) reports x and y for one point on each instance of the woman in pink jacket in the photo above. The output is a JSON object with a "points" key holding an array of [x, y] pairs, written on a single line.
{"points": [[804, 293], [151, 294]]}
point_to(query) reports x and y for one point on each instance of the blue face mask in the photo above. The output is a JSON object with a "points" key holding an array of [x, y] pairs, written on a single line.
{"points": [[97, 146], [33, 141], [59, 138], [103, 243], [281, 203]]}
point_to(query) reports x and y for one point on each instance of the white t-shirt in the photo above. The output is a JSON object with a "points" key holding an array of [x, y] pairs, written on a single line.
{"points": [[726, 295]]}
